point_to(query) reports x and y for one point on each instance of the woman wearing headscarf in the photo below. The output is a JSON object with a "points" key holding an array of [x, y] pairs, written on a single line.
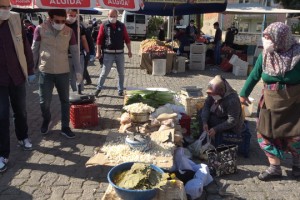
{"points": [[222, 110], [278, 127]]}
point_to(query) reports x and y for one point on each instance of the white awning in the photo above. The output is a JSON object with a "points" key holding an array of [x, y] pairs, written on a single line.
{"points": [[255, 8]]}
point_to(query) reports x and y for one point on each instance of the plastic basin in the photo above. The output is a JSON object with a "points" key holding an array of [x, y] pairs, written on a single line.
{"points": [[127, 194]]}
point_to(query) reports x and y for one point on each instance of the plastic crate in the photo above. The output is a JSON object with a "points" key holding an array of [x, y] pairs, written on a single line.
{"points": [[200, 65], [197, 57], [240, 71], [85, 115], [198, 48], [185, 122]]}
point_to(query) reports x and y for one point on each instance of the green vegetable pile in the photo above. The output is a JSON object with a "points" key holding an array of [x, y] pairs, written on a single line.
{"points": [[140, 177], [154, 99]]}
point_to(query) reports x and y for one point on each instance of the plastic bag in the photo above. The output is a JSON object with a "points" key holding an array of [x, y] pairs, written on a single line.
{"points": [[198, 148]]}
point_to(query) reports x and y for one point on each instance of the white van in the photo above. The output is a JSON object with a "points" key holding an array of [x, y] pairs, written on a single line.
{"points": [[136, 24]]}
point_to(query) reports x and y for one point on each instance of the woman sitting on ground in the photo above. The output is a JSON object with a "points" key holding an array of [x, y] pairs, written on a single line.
{"points": [[222, 110]]}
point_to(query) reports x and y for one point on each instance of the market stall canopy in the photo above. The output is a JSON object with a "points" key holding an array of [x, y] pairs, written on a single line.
{"points": [[91, 11], [130, 5], [255, 8], [181, 7]]}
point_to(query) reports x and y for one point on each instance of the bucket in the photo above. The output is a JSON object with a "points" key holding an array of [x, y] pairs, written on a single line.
{"points": [[159, 67]]}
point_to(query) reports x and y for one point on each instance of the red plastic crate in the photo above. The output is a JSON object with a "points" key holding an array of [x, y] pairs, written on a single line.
{"points": [[185, 122], [85, 115]]}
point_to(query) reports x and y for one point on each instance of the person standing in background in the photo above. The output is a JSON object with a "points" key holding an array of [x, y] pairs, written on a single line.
{"points": [[51, 43], [16, 68], [84, 48], [110, 42], [217, 43]]}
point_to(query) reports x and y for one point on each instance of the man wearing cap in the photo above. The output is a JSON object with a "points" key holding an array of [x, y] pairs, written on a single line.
{"points": [[222, 109]]}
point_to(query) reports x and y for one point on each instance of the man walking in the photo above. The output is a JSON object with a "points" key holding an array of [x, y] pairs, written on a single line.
{"points": [[51, 43], [16, 66], [111, 37]]}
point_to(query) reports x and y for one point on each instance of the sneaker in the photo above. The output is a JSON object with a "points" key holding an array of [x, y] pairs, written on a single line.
{"points": [[67, 132], [97, 92], [25, 144], [266, 176], [45, 127], [120, 93], [3, 164]]}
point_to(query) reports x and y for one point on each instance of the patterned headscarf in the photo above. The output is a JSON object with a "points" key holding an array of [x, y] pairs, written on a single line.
{"points": [[287, 50]]}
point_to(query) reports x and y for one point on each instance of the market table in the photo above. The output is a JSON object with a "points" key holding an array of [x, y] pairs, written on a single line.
{"points": [[146, 62]]}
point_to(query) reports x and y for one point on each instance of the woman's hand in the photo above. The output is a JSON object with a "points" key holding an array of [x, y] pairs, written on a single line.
{"points": [[245, 101]]}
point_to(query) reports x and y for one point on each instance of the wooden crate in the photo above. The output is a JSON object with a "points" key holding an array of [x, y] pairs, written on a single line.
{"points": [[192, 104]]}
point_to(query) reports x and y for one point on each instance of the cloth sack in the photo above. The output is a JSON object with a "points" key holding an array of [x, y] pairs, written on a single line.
{"points": [[222, 160]]}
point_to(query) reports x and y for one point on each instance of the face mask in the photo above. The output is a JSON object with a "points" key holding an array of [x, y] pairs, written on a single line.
{"points": [[112, 19], [58, 27], [191, 24], [216, 97], [268, 45], [4, 14], [71, 19]]}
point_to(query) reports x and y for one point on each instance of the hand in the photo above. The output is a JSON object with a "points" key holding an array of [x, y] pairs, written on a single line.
{"points": [[79, 78], [205, 127], [211, 132], [129, 54], [245, 101], [98, 55], [31, 78]]}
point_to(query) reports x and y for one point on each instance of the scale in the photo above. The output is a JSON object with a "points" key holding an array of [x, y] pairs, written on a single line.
{"points": [[136, 140]]}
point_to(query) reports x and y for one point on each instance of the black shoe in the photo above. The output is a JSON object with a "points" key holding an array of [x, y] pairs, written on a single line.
{"points": [[120, 93], [88, 83], [45, 127], [266, 176], [97, 93], [296, 172], [67, 132]]}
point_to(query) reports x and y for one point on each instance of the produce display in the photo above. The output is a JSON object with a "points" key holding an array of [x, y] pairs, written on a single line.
{"points": [[175, 44], [141, 177], [154, 99], [138, 108], [153, 45]]}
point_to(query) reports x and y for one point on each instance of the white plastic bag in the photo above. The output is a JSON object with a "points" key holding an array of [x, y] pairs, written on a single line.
{"points": [[198, 148]]}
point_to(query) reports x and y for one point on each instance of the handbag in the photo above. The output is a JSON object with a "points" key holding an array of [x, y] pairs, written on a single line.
{"points": [[222, 160]]}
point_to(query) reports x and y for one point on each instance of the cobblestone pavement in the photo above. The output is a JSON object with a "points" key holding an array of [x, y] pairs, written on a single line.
{"points": [[56, 167]]}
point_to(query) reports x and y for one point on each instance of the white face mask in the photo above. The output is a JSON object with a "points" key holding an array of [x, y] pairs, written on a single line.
{"points": [[4, 14], [112, 19], [58, 27], [268, 45], [71, 19], [216, 97]]}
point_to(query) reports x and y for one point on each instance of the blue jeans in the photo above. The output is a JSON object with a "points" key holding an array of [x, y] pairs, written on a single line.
{"points": [[217, 53], [108, 61], [47, 83], [16, 97]]}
